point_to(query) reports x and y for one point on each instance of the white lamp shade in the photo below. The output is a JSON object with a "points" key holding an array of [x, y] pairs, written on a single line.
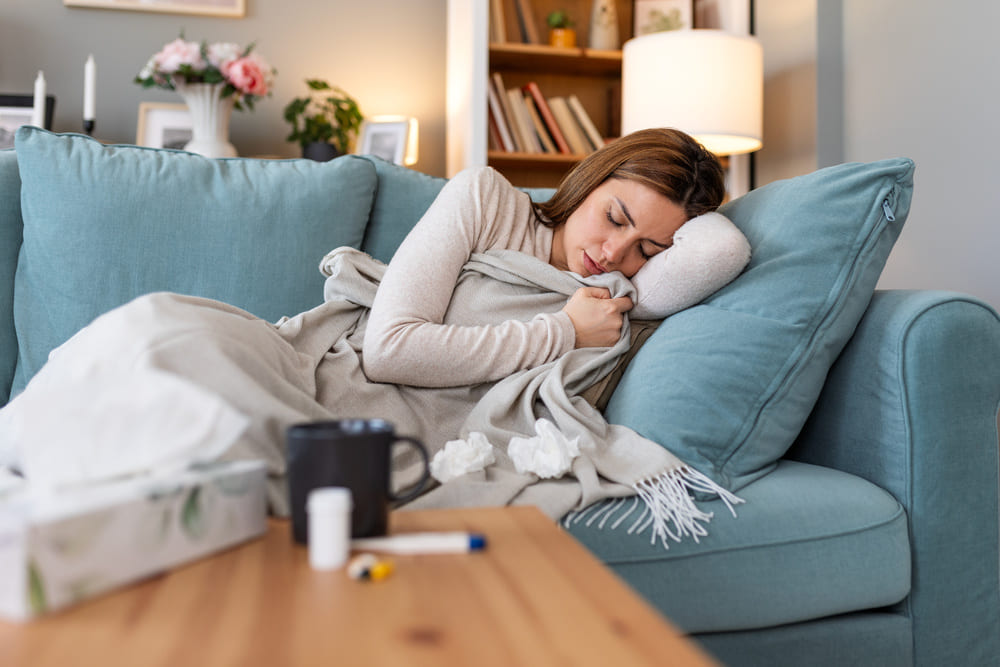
{"points": [[708, 83]]}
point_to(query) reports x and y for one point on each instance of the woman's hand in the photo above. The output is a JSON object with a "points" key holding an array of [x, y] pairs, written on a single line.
{"points": [[596, 317]]}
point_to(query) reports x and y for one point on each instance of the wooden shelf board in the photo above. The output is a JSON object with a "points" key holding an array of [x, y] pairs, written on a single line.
{"points": [[566, 60], [532, 160]]}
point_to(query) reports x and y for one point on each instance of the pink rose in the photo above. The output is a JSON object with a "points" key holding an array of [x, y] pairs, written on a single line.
{"points": [[248, 75], [177, 53]]}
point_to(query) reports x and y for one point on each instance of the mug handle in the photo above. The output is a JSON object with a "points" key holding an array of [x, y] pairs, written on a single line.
{"points": [[415, 490]]}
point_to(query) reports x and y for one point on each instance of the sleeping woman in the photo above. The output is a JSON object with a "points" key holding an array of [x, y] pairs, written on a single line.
{"points": [[494, 312], [616, 210]]}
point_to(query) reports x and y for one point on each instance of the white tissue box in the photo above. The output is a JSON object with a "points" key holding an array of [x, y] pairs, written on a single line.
{"points": [[60, 549]]}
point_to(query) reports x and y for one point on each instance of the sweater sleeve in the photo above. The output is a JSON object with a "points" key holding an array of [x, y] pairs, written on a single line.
{"points": [[406, 341]]}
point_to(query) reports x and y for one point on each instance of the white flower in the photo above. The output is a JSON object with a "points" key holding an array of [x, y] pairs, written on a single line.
{"points": [[462, 456], [548, 454], [149, 68], [222, 53]]}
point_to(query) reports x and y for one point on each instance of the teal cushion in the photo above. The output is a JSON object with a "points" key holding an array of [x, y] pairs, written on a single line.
{"points": [[728, 384], [402, 198], [810, 542], [10, 244], [104, 224]]}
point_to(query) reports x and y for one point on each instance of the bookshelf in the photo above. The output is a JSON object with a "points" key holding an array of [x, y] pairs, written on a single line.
{"points": [[592, 76]]}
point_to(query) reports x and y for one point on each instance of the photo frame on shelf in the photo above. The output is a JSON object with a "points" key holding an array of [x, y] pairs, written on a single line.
{"points": [[163, 125], [651, 16], [386, 138], [16, 110], [230, 8]]}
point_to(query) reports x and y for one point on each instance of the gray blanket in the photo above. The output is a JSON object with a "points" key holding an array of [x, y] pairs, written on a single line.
{"points": [[309, 367], [614, 461]]}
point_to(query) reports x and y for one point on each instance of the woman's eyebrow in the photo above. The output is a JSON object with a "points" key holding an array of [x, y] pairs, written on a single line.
{"points": [[628, 217], [625, 212]]}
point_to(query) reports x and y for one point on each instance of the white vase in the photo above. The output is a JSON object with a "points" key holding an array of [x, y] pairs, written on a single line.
{"points": [[210, 113], [604, 25]]}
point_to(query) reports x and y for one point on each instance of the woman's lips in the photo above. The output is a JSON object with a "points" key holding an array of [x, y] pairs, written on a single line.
{"points": [[593, 268]]}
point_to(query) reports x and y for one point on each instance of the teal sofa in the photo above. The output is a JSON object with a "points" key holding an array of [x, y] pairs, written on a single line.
{"points": [[860, 426]]}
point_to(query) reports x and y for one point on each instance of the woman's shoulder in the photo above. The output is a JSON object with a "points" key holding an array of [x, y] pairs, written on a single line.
{"points": [[484, 175]]}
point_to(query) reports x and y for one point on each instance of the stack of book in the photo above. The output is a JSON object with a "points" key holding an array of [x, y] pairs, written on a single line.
{"points": [[523, 120]]}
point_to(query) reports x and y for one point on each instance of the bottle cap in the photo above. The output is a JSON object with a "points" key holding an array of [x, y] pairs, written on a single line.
{"points": [[330, 499]]}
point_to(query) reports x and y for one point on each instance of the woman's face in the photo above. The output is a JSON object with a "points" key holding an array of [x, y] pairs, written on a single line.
{"points": [[619, 226]]}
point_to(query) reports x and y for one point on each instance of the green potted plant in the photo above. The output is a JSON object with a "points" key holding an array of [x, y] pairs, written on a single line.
{"points": [[561, 32], [324, 123]]}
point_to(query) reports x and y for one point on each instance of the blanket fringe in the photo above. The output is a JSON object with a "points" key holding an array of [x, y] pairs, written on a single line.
{"points": [[668, 507]]}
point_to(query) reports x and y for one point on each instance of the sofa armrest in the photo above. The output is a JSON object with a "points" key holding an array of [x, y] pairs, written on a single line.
{"points": [[911, 405]]}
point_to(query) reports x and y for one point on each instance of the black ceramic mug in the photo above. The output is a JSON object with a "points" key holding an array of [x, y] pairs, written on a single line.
{"points": [[352, 453]]}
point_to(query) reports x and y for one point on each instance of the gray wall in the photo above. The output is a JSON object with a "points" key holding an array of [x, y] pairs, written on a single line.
{"points": [[921, 80], [862, 80], [389, 54]]}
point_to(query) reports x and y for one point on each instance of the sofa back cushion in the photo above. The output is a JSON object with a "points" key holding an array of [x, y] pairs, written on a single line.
{"points": [[10, 244], [728, 384], [105, 224], [402, 197]]}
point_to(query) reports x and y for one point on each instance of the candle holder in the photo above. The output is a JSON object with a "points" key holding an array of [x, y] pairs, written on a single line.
{"points": [[88, 126]]}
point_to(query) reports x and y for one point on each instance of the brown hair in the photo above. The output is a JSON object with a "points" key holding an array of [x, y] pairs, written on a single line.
{"points": [[667, 160]]}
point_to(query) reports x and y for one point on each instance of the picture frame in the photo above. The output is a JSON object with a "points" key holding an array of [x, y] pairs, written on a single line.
{"points": [[229, 8], [387, 138], [16, 110], [651, 16], [163, 125]]}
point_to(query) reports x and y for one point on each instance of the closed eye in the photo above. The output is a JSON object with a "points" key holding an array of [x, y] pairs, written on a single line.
{"points": [[647, 248]]}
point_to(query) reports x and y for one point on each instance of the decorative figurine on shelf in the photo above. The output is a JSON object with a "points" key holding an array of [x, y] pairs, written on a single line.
{"points": [[213, 79], [561, 32], [604, 25], [325, 123]]}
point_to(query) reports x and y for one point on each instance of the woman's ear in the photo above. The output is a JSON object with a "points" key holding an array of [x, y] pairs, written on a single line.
{"points": [[709, 251]]}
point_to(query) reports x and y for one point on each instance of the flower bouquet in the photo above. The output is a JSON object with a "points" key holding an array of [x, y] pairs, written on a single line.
{"points": [[213, 79], [245, 75]]}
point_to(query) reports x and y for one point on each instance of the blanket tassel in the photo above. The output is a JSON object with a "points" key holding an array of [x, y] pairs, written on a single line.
{"points": [[667, 506]]}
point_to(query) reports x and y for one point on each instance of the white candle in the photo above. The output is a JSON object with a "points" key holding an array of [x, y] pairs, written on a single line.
{"points": [[38, 103], [89, 87]]}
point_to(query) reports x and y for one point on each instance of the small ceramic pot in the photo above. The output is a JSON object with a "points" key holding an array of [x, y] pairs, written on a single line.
{"points": [[319, 151], [564, 37]]}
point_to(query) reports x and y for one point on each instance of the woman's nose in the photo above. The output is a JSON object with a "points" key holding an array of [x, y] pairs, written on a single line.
{"points": [[614, 250]]}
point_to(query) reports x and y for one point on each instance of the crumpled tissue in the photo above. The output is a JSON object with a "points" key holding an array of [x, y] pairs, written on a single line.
{"points": [[548, 454], [80, 421], [459, 457]]}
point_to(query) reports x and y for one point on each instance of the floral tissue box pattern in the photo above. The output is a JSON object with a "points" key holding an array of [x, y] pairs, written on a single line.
{"points": [[60, 549]]}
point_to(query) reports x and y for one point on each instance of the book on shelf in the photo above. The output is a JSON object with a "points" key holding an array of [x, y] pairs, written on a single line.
{"points": [[585, 121], [574, 134], [498, 22], [545, 112], [544, 138], [499, 119], [526, 128], [495, 143], [506, 113], [526, 20]]}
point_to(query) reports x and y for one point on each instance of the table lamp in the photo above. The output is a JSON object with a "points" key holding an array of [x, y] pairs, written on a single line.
{"points": [[708, 83]]}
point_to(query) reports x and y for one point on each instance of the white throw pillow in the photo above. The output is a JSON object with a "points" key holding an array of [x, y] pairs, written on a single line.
{"points": [[708, 252]]}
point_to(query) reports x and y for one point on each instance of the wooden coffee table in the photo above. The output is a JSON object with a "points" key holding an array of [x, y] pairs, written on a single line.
{"points": [[534, 597]]}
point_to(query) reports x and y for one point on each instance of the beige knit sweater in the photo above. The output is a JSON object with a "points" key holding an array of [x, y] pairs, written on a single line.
{"points": [[406, 342]]}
